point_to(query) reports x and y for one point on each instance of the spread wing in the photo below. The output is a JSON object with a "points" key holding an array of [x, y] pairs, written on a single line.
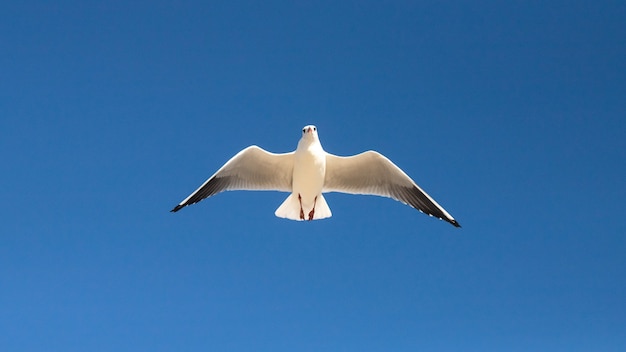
{"points": [[251, 169], [372, 173]]}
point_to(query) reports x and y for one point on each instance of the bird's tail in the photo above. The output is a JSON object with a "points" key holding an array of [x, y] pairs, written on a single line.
{"points": [[290, 209]]}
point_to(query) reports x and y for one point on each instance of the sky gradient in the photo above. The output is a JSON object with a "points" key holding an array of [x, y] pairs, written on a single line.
{"points": [[510, 114]]}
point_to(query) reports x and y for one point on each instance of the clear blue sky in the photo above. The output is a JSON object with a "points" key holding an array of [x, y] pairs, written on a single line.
{"points": [[511, 114]]}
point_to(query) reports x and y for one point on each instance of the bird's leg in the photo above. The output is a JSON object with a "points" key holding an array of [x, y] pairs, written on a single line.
{"points": [[312, 212], [301, 210]]}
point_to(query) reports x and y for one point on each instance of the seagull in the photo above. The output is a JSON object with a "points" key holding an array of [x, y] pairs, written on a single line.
{"points": [[308, 172]]}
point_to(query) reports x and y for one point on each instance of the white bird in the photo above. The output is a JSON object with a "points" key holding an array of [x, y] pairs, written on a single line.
{"points": [[308, 172]]}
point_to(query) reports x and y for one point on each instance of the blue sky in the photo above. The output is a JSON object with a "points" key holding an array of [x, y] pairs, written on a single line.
{"points": [[510, 114]]}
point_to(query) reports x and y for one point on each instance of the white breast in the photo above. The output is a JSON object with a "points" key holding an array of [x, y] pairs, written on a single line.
{"points": [[309, 169]]}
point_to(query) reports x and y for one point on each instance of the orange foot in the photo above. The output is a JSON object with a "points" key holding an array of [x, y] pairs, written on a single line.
{"points": [[301, 210], [312, 212]]}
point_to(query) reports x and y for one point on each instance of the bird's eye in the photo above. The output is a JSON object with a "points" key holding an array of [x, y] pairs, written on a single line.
{"points": [[314, 128], [303, 130]]}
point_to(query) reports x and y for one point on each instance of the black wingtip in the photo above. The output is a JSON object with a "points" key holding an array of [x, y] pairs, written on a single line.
{"points": [[455, 223], [177, 208]]}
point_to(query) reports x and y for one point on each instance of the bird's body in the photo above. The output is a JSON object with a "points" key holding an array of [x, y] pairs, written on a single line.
{"points": [[310, 171]]}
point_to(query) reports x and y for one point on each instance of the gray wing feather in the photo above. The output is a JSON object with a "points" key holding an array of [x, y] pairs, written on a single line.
{"points": [[251, 169], [372, 173]]}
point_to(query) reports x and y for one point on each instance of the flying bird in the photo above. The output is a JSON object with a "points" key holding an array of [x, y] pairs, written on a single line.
{"points": [[308, 172]]}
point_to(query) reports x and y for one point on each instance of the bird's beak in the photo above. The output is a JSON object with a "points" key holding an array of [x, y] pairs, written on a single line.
{"points": [[308, 130]]}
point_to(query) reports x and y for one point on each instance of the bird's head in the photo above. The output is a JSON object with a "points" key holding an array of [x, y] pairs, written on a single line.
{"points": [[309, 131]]}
